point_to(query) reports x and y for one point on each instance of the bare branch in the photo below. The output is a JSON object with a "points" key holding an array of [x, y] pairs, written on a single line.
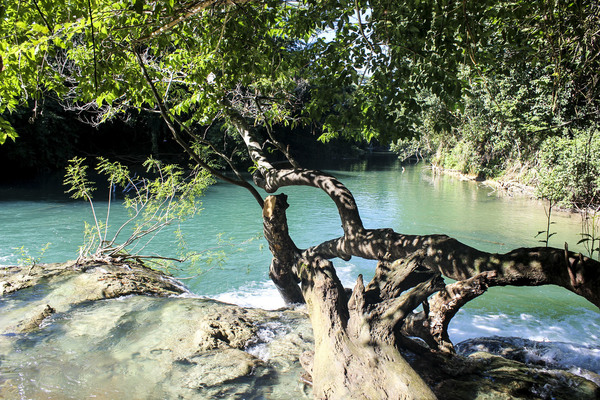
{"points": [[167, 118]]}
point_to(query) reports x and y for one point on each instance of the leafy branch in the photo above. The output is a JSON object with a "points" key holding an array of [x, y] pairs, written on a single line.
{"points": [[590, 230], [172, 194], [27, 259], [549, 222]]}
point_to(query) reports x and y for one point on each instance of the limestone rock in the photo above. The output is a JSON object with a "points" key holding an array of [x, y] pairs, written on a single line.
{"points": [[33, 322], [216, 368], [223, 330], [93, 331], [107, 338], [580, 359], [494, 377]]}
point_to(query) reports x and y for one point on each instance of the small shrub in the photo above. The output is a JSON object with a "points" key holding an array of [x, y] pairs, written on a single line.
{"points": [[569, 169], [153, 203]]}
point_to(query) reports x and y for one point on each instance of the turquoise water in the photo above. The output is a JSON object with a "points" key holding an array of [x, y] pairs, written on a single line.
{"points": [[409, 200]]}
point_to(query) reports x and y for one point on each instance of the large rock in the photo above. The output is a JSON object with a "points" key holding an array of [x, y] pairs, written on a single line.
{"points": [[92, 281], [486, 376], [578, 359], [89, 332]]}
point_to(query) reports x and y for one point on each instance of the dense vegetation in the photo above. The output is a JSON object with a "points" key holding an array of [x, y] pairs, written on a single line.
{"points": [[529, 108], [498, 79], [493, 89]]}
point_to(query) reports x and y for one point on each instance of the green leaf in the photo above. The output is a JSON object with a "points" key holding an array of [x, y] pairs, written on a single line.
{"points": [[43, 29], [7, 131]]}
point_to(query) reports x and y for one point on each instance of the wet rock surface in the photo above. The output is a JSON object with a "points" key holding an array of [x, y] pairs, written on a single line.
{"points": [[90, 332], [579, 359], [487, 376], [125, 331], [93, 281]]}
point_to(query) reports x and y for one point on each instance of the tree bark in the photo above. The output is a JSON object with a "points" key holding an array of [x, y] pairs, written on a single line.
{"points": [[534, 266], [360, 339], [284, 250], [432, 324], [355, 355]]}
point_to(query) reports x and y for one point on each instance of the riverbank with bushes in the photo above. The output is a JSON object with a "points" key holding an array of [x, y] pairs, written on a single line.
{"points": [[562, 170]]}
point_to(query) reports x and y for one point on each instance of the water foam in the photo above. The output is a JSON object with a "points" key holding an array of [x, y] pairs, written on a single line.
{"points": [[582, 326], [578, 359], [6, 261], [259, 346], [255, 295], [264, 294]]}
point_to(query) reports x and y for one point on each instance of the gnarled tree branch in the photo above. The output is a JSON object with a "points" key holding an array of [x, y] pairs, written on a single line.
{"points": [[272, 179], [520, 267]]}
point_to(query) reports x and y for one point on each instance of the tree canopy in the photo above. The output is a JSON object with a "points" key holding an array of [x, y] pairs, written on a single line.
{"points": [[363, 69]]}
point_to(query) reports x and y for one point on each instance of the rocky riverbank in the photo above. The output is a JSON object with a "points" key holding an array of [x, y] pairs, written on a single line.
{"points": [[126, 331], [508, 185]]}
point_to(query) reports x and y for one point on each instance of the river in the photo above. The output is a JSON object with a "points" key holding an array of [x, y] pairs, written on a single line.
{"points": [[409, 199]]}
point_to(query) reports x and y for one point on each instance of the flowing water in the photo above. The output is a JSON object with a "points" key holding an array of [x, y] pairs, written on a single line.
{"points": [[408, 199]]}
